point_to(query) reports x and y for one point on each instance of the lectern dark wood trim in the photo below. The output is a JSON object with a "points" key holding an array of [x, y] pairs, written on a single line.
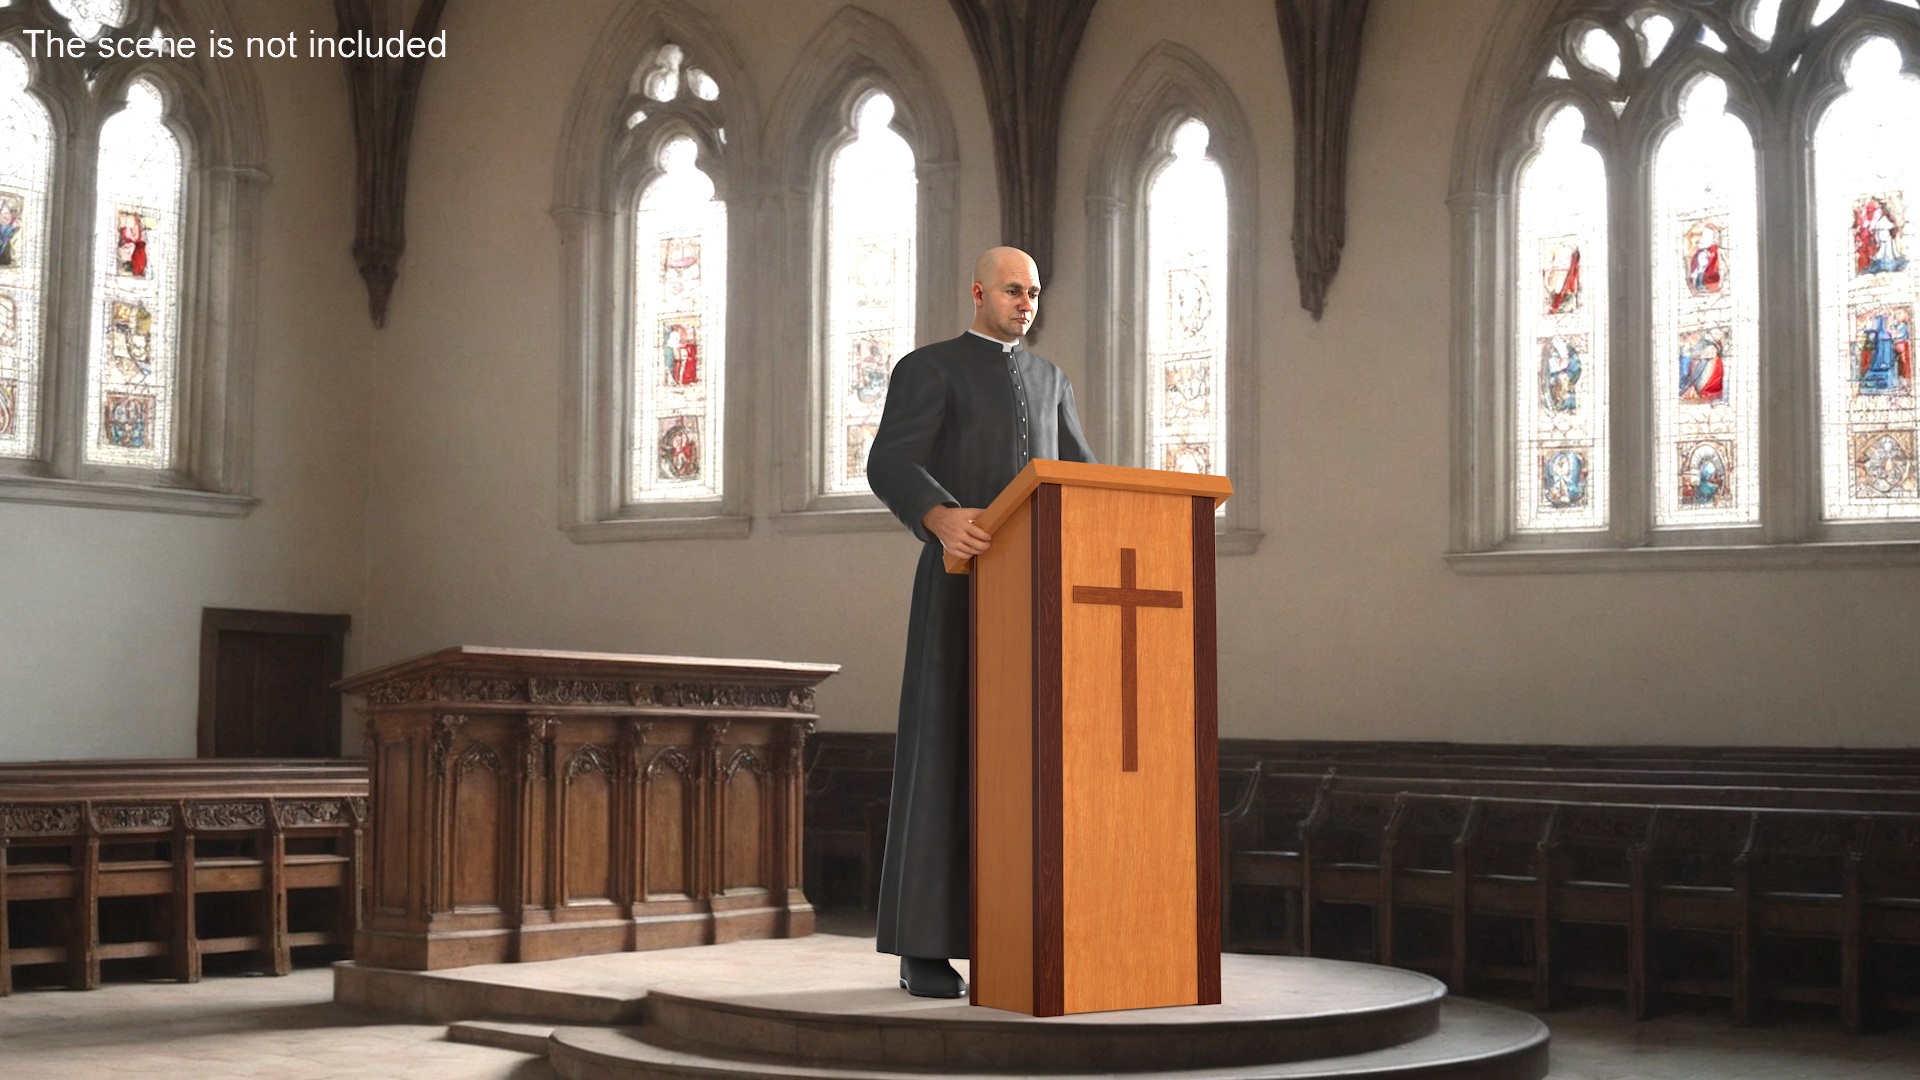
{"points": [[1095, 736], [1049, 801], [1206, 748]]}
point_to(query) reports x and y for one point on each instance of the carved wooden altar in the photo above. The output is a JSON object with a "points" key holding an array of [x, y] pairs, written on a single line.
{"points": [[532, 805]]}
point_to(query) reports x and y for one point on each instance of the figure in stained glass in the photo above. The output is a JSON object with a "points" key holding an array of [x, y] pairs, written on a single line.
{"points": [[679, 447], [133, 227], [859, 439], [679, 266], [1705, 479], [1189, 387], [1192, 301], [1563, 478], [1560, 366], [1706, 265], [9, 320], [680, 349], [9, 395], [1562, 276], [1884, 350], [1877, 243], [867, 374], [1883, 465], [1703, 367], [128, 420], [13, 211], [1187, 457], [130, 339]]}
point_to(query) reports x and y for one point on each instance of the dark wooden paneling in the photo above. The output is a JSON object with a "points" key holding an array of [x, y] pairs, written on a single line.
{"points": [[266, 683], [643, 802]]}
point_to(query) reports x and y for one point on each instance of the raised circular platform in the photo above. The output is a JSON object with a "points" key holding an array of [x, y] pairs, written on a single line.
{"points": [[832, 1010]]}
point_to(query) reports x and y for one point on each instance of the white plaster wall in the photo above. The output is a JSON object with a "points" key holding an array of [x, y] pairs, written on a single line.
{"points": [[100, 638], [1346, 623], [467, 548]]}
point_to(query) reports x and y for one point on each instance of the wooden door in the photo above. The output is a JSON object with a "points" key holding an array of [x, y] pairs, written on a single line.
{"points": [[266, 683]]}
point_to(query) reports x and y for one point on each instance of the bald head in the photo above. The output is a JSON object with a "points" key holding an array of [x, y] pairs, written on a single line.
{"points": [[1006, 293]]}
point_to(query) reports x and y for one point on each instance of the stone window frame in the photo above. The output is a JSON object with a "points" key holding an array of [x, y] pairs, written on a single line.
{"points": [[853, 55], [1507, 104], [215, 111], [603, 167], [1170, 85]]}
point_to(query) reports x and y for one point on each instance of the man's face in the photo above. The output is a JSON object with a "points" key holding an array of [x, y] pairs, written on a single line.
{"points": [[1008, 303]]}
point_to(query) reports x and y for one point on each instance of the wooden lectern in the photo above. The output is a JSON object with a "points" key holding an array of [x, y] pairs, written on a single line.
{"points": [[1096, 877]]}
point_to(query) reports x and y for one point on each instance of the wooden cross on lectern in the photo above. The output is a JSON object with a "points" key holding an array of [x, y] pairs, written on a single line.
{"points": [[1129, 600]]}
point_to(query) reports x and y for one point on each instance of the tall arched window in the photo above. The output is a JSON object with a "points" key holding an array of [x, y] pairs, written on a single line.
{"points": [[679, 333], [654, 148], [862, 147], [1866, 183], [1706, 317], [871, 227], [1561, 351], [1186, 308], [26, 166], [129, 200], [1757, 400], [1172, 379], [133, 369]]}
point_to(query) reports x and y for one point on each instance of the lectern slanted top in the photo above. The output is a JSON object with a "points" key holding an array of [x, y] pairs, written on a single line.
{"points": [[1095, 742]]}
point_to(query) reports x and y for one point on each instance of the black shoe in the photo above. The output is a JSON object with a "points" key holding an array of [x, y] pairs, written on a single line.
{"points": [[933, 978]]}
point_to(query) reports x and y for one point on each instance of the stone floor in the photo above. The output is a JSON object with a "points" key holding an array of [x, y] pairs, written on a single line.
{"points": [[290, 1029]]}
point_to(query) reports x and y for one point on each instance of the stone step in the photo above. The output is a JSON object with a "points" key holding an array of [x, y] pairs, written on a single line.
{"points": [[502, 1035], [1278, 1010], [1474, 1041], [488, 992]]}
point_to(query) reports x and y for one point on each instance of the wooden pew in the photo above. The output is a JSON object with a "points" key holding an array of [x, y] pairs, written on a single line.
{"points": [[1421, 867], [1504, 879], [1343, 862], [1890, 912], [115, 861], [1262, 846], [1804, 882], [1794, 872], [849, 782]]}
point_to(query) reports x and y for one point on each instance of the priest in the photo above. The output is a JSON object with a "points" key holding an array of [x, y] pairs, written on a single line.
{"points": [[963, 417]]}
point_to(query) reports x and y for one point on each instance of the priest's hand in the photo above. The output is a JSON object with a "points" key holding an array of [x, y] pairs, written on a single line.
{"points": [[955, 528]]}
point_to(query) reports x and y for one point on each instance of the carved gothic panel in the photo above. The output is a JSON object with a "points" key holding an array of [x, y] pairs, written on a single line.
{"points": [[40, 820], [479, 805], [311, 812], [227, 815], [132, 818]]}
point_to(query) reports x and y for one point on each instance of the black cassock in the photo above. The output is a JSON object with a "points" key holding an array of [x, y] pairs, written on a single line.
{"points": [[963, 417]]}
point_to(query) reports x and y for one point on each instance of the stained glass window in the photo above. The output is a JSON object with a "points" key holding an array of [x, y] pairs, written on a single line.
{"points": [[1187, 308], [679, 333], [26, 161], [132, 370], [1561, 463], [1706, 318], [871, 226], [1866, 183], [88, 17]]}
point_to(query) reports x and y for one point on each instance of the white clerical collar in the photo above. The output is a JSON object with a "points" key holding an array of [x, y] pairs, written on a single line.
{"points": [[1005, 346]]}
